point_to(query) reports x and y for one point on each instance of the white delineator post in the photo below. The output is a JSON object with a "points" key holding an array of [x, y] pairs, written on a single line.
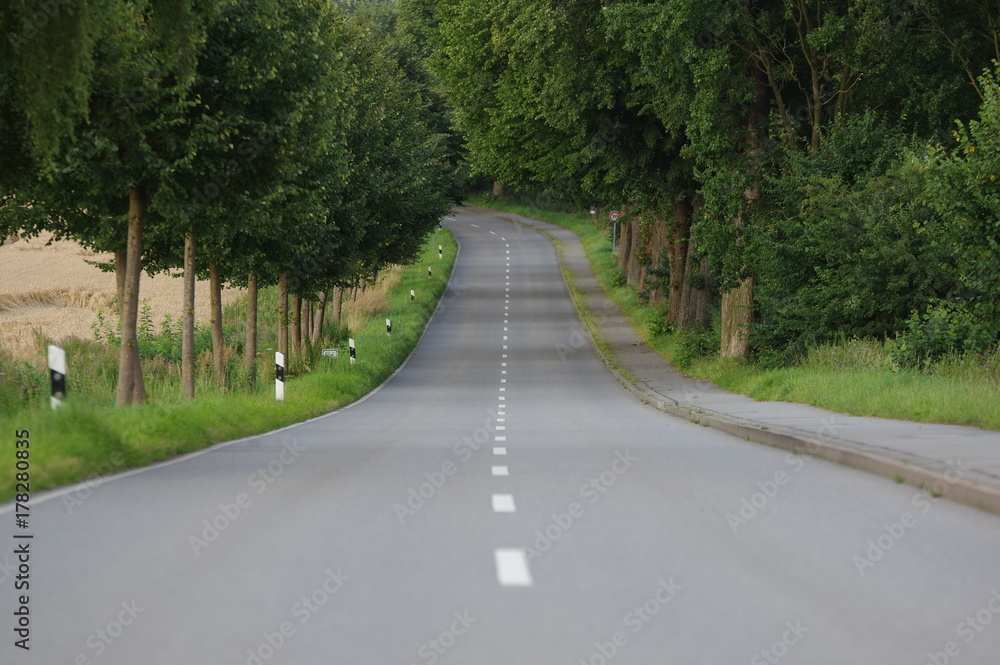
{"points": [[428, 272], [440, 252], [413, 294], [57, 374], [350, 344], [388, 326], [279, 376]]}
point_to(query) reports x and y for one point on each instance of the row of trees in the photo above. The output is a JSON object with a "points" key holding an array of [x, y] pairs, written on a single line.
{"points": [[775, 151], [273, 142]]}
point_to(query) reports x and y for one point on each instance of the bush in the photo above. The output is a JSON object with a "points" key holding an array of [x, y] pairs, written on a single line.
{"points": [[694, 345], [944, 329]]}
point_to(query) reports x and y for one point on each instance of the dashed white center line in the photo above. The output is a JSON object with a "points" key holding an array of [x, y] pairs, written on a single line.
{"points": [[500, 437], [475, 225], [503, 503], [512, 567], [500, 450], [500, 471], [493, 233], [501, 428]]}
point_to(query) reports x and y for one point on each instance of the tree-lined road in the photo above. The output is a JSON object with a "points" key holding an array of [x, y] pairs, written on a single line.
{"points": [[503, 501]]}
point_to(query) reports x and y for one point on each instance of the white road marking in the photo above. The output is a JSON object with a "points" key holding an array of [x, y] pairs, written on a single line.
{"points": [[505, 355], [502, 398], [501, 428], [475, 225], [500, 471], [501, 420], [502, 238], [503, 503], [503, 364], [503, 389], [499, 437], [500, 450], [503, 380], [512, 567], [503, 371], [493, 232]]}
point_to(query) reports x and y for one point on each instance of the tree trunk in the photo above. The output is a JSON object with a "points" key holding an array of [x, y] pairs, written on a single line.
{"points": [[187, 320], [121, 260], [317, 330], [737, 303], [307, 321], [218, 342], [251, 343], [283, 316], [297, 325], [499, 189], [338, 304], [128, 359], [138, 383], [737, 309], [677, 256]]}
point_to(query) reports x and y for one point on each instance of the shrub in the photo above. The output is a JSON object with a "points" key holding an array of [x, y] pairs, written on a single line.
{"points": [[694, 345], [944, 328]]}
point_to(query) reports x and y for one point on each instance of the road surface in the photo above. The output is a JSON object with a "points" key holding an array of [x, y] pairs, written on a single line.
{"points": [[503, 501]]}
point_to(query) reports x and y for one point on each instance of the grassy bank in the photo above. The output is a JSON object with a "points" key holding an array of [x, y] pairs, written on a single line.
{"points": [[852, 376], [89, 437]]}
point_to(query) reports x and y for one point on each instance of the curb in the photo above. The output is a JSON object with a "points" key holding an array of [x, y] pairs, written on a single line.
{"points": [[939, 484]]}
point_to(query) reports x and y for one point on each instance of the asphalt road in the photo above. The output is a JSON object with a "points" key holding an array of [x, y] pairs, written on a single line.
{"points": [[504, 501]]}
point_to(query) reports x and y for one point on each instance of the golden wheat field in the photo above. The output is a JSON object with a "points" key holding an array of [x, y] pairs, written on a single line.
{"points": [[49, 286]]}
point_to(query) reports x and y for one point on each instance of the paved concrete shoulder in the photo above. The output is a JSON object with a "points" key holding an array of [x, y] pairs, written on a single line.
{"points": [[956, 462]]}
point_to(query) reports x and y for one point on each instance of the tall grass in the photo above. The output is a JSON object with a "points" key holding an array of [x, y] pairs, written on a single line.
{"points": [[855, 376], [89, 436]]}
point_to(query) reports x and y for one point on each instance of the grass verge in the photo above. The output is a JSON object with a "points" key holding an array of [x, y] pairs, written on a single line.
{"points": [[80, 441], [853, 376]]}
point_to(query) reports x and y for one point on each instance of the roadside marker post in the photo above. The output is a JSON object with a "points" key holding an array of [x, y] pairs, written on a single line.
{"points": [[440, 252], [279, 376], [388, 326], [350, 344], [413, 294], [428, 272], [57, 374]]}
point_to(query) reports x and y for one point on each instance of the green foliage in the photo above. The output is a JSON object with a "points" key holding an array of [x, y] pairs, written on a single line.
{"points": [[692, 346], [963, 185], [839, 253], [943, 329]]}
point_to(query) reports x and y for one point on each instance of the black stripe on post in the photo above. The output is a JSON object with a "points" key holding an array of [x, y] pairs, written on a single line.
{"points": [[350, 344], [279, 376], [57, 374]]}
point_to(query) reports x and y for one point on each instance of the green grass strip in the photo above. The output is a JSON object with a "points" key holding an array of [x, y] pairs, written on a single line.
{"points": [[78, 442]]}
